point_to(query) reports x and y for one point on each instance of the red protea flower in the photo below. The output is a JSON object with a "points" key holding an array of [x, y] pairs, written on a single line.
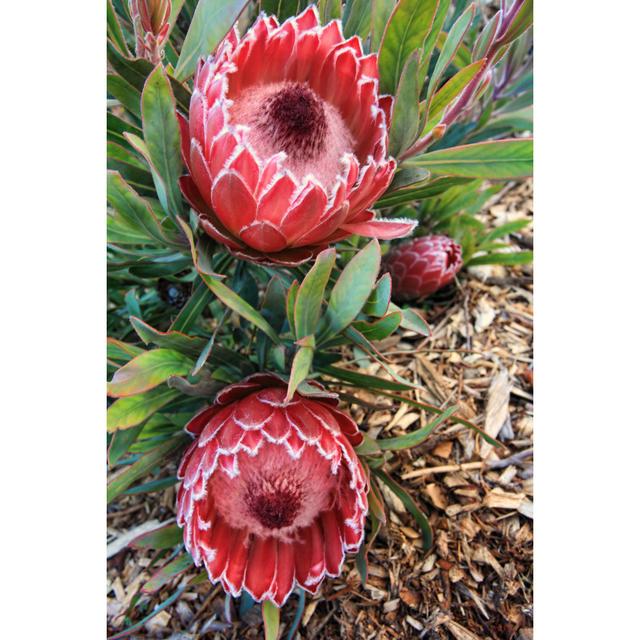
{"points": [[151, 25], [272, 492], [421, 266], [286, 142]]}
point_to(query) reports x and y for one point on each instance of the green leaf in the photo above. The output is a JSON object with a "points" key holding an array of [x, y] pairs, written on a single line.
{"points": [[114, 30], [301, 364], [484, 41], [311, 294], [380, 13], [521, 21], [454, 38], [124, 93], [378, 302], [381, 328], [412, 321], [410, 505], [154, 485], [144, 465], [352, 289], [192, 310], [414, 438], [406, 31], [232, 300], [434, 33], [148, 370], [494, 160], [121, 351], [405, 118], [271, 618], [519, 257], [134, 209], [357, 18], [504, 230], [362, 380], [449, 92], [132, 410], [166, 537], [292, 294], [167, 573], [188, 345], [212, 20], [329, 10], [121, 441], [162, 135]]}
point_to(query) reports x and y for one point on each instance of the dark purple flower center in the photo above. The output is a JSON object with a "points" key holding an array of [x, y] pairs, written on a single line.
{"points": [[274, 504], [296, 120]]}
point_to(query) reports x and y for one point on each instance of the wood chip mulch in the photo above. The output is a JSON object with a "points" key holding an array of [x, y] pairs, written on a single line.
{"points": [[476, 581]]}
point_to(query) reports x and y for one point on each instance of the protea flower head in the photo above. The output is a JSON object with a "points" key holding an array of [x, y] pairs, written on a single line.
{"points": [[151, 25], [286, 141], [421, 266], [272, 492]]}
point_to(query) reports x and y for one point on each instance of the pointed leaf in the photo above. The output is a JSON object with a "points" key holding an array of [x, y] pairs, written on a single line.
{"points": [[271, 618], [131, 411], [148, 370], [212, 20], [414, 438], [311, 294]]}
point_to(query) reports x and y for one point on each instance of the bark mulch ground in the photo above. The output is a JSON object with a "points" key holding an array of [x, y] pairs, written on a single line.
{"points": [[476, 581]]}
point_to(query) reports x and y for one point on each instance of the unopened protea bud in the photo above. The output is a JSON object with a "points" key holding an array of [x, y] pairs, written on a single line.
{"points": [[273, 494], [286, 141], [421, 266], [151, 24]]}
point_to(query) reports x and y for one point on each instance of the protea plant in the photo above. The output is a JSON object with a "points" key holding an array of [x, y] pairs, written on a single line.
{"points": [[246, 163], [151, 24], [287, 141], [272, 494], [420, 267]]}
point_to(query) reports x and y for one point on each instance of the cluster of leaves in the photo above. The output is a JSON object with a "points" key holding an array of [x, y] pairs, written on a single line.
{"points": [[185, 318]]}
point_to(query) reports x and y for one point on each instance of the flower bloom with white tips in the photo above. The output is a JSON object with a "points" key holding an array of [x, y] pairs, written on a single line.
{"points": [[286, 141], [273, 494]]}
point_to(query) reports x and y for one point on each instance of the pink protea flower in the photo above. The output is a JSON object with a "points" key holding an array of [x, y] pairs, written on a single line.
{"points": [[421, 266], [286, 142], [273, 493], [151, 25]]}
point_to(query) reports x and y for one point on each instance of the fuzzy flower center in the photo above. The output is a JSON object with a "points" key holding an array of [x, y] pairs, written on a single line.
{"points": [[296, 120], [275, 502], [290, 117], [273, 493]]}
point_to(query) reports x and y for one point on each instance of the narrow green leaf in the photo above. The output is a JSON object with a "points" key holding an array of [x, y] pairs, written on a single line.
{"points": [[162, 136], [114, 30], [362, 380], [301, 365], [121, 351], [406, 31], [188, 345], [271, 618], [124, 93], [212, 20], [454, 38], [329, 10], [121, 441], [519, 257], [416, 437], [292, 294], [405, 118], [522, 20], [496, 159], [144, 465], [449, 92], [132, 410], [134, 209], [232, 300], [166, 537], [192, 310], [380, 328], [410, 505], [154, 485], [412, 321], [311, 294], [352, 289], [378, 302], [357, 18], [380, 13], [434, 33], [148, 370], [167, 573]]}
